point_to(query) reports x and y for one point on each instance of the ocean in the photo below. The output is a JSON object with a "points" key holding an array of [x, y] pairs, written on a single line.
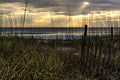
{"points": [[61, 33]]}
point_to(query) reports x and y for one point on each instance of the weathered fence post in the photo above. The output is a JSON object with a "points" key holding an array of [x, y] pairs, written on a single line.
{"points": [[111, 43], [84, 40], [83, 48], [85, 32], [112, 54], [111, 32]]}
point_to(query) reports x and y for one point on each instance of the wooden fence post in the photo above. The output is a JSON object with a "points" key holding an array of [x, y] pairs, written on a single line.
{"points": [[83, 48], [84, 39], [85, 32], [112, 53], [111, 32]]}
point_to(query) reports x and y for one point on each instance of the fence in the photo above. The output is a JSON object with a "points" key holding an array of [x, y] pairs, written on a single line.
{"points": [[100, 49], [100, 55]]}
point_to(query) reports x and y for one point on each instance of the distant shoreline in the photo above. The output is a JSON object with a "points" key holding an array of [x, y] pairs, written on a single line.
{"points": [[56, 27]]}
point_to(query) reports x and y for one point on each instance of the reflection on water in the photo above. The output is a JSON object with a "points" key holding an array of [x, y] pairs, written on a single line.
{"points": [[55, 33]]}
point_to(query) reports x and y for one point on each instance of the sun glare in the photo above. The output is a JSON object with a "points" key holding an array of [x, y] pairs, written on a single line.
{"points": [[86, 3]]}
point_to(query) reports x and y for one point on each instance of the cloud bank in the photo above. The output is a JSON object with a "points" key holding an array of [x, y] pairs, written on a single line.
{"points": [[74, 5], [41, 10]]}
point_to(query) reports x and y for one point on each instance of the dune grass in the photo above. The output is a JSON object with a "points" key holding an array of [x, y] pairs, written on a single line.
{"points": [[26, 59]]}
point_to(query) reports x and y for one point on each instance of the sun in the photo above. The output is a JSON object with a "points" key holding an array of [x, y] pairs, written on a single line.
{"points": [[86, 3]]}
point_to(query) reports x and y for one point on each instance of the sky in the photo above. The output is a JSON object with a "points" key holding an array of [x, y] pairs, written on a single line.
{"points": [[58, 13]]}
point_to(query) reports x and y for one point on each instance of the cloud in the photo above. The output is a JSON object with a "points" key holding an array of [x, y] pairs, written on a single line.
{"points": [[74, 5], [41, 10]]}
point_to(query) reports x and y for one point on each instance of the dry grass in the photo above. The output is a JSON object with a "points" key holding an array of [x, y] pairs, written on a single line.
{"points": [[26, 59]]}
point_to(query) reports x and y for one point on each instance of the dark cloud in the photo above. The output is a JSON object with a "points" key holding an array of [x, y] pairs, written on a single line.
{"points": [[74, 5]]}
